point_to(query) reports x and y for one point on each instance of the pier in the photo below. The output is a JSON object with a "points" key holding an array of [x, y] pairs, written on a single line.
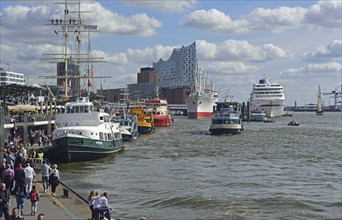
{"points": [[67, 205]]}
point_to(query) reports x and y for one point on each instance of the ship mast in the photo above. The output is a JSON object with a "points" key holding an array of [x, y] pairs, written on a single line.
{"points": [[79, 50], [66, 81], [69, 25]]}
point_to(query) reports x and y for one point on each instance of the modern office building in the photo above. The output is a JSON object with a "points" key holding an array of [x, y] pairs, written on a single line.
{"points": [[72, 71], [179, 70], [9, 77]]}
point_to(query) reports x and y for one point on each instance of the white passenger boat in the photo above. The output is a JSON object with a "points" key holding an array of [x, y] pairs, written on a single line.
{"points": [[226, 119], [257, 114], [83, 134]]}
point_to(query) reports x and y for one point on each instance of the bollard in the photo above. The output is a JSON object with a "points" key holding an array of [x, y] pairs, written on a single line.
{"points": [[65, 193]]}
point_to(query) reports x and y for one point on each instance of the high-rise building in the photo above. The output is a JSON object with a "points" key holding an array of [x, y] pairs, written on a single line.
{"points": [[179, 70], [9, 77], [147, 74], [72, 71]]}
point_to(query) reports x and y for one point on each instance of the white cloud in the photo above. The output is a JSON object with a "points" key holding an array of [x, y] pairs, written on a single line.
{"points": [[275, 19], [324, 14], [213, 20], [14, 18], [231, 68], [240, 50], [322, 70], [164, 6], [331, 51]]}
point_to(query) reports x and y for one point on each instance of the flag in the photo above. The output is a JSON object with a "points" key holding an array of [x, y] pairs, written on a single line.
{"points": [[92, 70]]}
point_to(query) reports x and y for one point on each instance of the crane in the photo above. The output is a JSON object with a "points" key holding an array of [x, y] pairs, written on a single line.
{"points": [[336, 94]]}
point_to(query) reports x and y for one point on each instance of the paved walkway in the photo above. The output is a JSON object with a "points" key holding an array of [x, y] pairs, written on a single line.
{"points": [[56, 208]]}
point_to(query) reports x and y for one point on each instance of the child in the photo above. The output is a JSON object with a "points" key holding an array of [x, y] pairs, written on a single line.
{"points": [[34, 197], [20, 196]]}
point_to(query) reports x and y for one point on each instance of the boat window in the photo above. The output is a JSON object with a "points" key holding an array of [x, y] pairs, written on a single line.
{"points": [[101, 136], [86, 109], [101, 118], [110, 136], [77, 109], [69, 110], [117, 135], [80, 133], [82, 109]]}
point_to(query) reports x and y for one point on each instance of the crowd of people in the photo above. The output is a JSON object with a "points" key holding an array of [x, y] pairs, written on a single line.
{"points": [[17, 174]]}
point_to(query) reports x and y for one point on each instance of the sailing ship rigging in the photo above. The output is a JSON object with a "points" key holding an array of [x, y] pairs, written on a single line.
{"points": [[71, 26]]}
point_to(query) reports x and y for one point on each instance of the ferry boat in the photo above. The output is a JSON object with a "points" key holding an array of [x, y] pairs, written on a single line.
{"points": [[159, 109], [201, 102], [144, 118], [269, 97], [319, 110], [83, 134], [257, 114], [128, 126], [226, 119]]}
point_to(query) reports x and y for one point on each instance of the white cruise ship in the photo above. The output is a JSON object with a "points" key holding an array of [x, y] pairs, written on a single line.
{"points": [[269, 97]]}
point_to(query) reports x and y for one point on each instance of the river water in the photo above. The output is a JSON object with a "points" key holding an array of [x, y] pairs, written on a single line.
{"points": [[269, 171]]}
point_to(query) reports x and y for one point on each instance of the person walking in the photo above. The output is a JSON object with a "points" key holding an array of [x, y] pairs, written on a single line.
{"points": [[45, 173], [29, 176], [54, 179], [20, 198], [4, 200], [2, 170], [19, 177], [9, 177], [34, 198]]}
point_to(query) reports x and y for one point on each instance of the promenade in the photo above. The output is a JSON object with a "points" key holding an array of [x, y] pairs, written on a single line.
{"points": [[55, 208]]}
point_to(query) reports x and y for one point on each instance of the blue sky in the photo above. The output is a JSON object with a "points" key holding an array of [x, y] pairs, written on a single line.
{"points": [[297, 43]]}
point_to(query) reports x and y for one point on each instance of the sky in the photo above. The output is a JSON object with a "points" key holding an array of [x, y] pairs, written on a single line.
{"points": [[295, 43]]}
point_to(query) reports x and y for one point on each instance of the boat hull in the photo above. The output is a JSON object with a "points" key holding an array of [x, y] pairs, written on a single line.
{"points": [[271, 108], [70, 148], [200, 106], [145, 129], [225, 129], [162, 121]]}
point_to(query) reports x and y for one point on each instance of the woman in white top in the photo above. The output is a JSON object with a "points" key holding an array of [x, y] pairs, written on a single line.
{"points": [[91, 200], [54, 179]]}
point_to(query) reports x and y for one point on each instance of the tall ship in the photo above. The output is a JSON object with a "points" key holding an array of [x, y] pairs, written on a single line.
{"points": [[160, 111], [268, 96], [201, 102], [226, 119], [319, 110], [83, 134]]}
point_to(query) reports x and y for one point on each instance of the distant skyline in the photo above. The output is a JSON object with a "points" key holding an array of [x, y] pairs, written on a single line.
{"points": [[296, 43]]}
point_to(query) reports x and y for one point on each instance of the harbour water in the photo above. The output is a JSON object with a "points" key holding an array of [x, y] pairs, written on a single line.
{"points": [[269, 171]]}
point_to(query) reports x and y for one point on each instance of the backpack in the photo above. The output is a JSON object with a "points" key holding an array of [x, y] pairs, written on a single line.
{"points": [[34, 196]]}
